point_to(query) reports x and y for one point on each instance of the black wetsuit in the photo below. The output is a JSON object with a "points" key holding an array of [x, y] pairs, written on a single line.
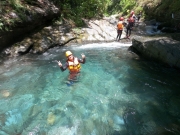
{"points": [[129, 28], [139, 16]]}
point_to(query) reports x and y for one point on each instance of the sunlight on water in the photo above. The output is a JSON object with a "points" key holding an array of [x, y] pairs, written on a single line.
{"points": [[117, 93]]}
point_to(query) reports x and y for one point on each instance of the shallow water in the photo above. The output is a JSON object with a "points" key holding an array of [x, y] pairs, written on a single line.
{"points": [[117, 93]]}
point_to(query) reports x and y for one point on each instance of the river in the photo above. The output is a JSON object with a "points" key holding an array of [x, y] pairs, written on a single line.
{"points": [[117, 93]]}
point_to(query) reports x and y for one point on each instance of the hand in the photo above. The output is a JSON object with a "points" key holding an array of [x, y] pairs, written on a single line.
{"points": [[83, 56], [59, 63]]}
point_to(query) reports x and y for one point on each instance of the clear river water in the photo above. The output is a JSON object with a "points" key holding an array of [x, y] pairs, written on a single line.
{"points": [[117, 93]]}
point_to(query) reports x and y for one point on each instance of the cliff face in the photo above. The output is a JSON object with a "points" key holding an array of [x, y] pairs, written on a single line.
{"points": [[161, 10], [34, 17]]}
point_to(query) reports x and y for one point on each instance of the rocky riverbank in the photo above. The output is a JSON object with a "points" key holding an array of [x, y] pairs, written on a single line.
{"points": [[153, 44], [64, 33]]}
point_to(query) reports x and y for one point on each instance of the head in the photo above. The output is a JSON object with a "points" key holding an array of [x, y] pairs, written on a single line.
{"points": [[121, 18], [69, 55], [132, 12]]}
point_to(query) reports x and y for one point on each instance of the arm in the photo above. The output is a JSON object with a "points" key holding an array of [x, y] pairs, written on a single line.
{"points": [[124, 23], [83, 60], [63, 68]]}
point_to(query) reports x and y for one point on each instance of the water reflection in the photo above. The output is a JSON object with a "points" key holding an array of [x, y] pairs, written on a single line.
{"points": [[118, 93]]}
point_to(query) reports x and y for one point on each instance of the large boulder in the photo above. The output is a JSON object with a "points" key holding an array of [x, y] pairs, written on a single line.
{"points": [[38, 15], [163, 49]]}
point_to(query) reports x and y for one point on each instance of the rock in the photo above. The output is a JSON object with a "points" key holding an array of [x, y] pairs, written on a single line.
{"points": [[168, 30], [5, 93], [40, 18], [99, 30], [18, 115], [162, 25], [51, 118], [163, 49], [151, 22]]}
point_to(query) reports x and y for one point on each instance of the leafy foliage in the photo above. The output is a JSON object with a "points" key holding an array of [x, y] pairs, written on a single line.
{"points": [[78, 9], [117, 6], [1, 25], [16, 3], [127, 5]]}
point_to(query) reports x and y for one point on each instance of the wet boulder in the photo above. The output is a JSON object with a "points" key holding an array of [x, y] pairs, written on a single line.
{"points": [[162, 25], [163, 49], [35, 18]]}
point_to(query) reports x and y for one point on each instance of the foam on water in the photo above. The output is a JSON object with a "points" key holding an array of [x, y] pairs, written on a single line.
{"points": [[104, 45]]}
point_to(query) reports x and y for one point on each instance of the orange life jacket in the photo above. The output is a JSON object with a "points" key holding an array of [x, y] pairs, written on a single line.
{"points": [[120, 25], [74, 66]]}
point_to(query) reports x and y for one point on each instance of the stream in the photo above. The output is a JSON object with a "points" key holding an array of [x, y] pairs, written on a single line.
{"points": [[117, 93]]}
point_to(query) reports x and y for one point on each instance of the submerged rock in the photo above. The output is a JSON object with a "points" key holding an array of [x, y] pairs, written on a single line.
{"points": [[14, 119], [51, 118]]}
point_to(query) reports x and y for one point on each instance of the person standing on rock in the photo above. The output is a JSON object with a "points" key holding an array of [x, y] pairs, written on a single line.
{"points": [[73, 64], [120, 26], [129, 26], [132, 14], [139, 15]]}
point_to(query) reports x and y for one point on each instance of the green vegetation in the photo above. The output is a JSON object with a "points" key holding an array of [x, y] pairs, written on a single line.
{"points": [[119, 6], [12, 11], [15, 3], [15, 11], [78, 9]]}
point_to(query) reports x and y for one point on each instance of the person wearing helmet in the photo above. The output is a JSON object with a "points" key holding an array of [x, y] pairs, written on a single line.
{"points": [[120, 26], [139, 15], [132, 14], [129, 26], [73, 64]]}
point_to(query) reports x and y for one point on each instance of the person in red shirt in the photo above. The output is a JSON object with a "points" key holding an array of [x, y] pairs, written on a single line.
{"points": [[131, 23], [132, 14]]}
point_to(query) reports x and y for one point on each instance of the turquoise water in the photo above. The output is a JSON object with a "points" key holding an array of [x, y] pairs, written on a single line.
{"points": [[117, 93]]}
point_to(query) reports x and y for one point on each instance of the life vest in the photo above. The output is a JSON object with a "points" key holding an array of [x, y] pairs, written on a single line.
{"points": [[120, 25], [74, 66]]}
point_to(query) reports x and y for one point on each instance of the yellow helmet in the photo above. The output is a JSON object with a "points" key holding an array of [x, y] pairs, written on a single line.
{"points": [[68, 53]]}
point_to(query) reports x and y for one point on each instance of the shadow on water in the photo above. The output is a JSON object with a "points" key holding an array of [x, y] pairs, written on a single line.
{"points": [[118, 93], [157, 87]]}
